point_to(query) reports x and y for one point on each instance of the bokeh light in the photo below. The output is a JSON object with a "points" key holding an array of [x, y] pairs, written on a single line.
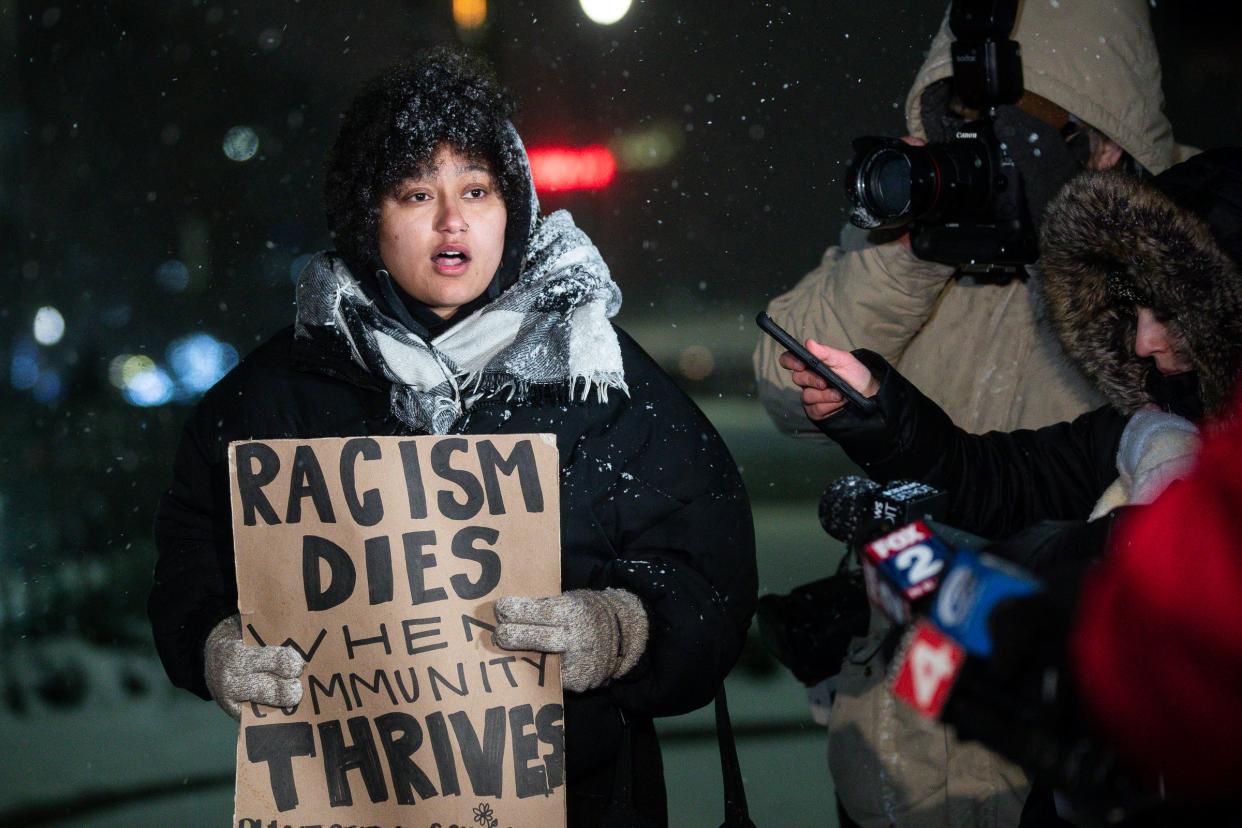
{"points": [[24, 365], [199, 360], [558, 169], [49, 326], [172, 275], [47, 387], [605, 12], [647, 148], [149, 388], [696, 363], [241, 143], [469, 14], [125, 367]]}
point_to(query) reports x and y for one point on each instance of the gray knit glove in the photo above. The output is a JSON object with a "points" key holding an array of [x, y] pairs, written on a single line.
{"points": [[601, 634], [237, 672], [1156, 448]]}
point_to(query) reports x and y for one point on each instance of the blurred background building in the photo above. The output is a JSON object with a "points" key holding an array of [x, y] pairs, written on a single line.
{"points": [[160, 187]]}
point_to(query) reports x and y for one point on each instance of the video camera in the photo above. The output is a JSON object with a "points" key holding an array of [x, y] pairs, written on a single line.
{"points": [[963, 198]]}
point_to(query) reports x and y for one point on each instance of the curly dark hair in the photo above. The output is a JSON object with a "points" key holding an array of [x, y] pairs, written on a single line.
{"points": [[392, 130]]}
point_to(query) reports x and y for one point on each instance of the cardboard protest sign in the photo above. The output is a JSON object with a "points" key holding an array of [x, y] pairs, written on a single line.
{"points": [[380, 559]]}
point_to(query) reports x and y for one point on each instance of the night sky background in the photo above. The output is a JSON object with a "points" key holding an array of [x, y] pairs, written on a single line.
{"points": [[120, 209]]}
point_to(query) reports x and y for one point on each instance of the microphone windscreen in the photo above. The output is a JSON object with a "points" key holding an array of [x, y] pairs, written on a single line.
{"points": [[844, 504]]}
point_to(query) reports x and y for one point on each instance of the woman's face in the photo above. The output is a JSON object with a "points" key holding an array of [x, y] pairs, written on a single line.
{"points": [[1154, 339], [441, 236]]}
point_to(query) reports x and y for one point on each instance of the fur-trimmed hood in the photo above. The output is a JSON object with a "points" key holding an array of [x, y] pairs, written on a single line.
{"points": [[1171, 243]]}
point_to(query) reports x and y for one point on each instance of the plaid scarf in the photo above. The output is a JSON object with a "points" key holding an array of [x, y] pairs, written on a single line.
{"points": [[548, 332]]}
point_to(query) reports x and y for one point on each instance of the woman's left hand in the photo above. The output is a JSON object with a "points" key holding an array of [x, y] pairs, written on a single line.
{"points": [[600, 633], [1156, 448]]}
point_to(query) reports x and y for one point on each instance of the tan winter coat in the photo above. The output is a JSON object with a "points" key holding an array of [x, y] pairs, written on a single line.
{"points": [[978, 350], [974, 348]]}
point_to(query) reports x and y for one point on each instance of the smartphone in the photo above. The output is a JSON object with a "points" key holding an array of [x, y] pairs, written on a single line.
{"points": [[769, 326]]}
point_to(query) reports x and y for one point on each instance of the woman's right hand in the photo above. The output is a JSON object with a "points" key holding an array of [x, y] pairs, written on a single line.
{"points": [[819, 400], [238, 672]]}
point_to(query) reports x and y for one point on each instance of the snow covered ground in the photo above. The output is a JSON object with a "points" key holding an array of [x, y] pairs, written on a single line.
{"points": [[131, 732]]}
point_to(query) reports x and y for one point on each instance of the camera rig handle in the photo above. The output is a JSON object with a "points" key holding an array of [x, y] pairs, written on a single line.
{"points": [[987, 65]]}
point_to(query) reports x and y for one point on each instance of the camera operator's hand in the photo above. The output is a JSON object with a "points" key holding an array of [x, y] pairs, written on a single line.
{"points": [[818, 399]]}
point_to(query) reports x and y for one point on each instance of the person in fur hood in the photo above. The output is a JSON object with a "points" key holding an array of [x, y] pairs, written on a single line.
{"points": [[1092, 100], [1141, 282], [451, 305]]}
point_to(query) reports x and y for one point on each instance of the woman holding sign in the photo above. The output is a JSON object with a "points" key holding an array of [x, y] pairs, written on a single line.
{"points": [[451, 306]]}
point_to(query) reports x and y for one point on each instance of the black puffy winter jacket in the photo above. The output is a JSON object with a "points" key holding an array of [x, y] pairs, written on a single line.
{"points": [[651, 501]]}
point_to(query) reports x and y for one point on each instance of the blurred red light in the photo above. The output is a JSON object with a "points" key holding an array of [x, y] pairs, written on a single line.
{"points": [[561, 169]]}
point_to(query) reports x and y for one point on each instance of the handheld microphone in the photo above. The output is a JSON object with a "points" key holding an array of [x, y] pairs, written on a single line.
{"points": [[902, 570], [845, 504], [927, 668], [903, 501], [972, 588], [935, 651], [947, 669], [852, 503]]}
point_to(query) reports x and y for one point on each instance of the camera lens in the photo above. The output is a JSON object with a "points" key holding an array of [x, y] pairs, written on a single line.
{"points": [[891, 183], [888, 183]]}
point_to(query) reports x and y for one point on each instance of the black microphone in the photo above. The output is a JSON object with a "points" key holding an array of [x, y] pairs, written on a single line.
{"points": [[852, 502], [844, 504], [905, 501]]}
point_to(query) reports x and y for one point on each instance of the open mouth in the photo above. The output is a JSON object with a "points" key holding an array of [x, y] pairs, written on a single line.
{"points": [[451, 259]]}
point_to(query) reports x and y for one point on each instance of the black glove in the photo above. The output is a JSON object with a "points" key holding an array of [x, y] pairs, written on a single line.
{"points": [[1049, 546]]}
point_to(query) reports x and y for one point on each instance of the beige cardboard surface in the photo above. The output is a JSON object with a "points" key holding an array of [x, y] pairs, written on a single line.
{"points": [[381, 558]]}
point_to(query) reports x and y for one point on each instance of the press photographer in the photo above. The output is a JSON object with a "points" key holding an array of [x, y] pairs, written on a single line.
{"points": [[1089, 82], [973, 344], [1141, 283]]}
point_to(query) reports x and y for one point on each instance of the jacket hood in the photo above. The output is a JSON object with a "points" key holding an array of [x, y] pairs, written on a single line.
{"points": [[1172, 244], [1097, 59], [523, 206]]}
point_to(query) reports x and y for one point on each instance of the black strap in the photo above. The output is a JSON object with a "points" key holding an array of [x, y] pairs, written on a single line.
{"points": [[737, 814], [622, 813]]}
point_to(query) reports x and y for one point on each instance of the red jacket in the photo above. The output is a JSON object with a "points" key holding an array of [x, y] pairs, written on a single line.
{"points": [[1158, 641]]}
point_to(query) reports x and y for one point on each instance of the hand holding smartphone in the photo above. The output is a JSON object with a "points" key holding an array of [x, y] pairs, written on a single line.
{"points": [[852, 397]]}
